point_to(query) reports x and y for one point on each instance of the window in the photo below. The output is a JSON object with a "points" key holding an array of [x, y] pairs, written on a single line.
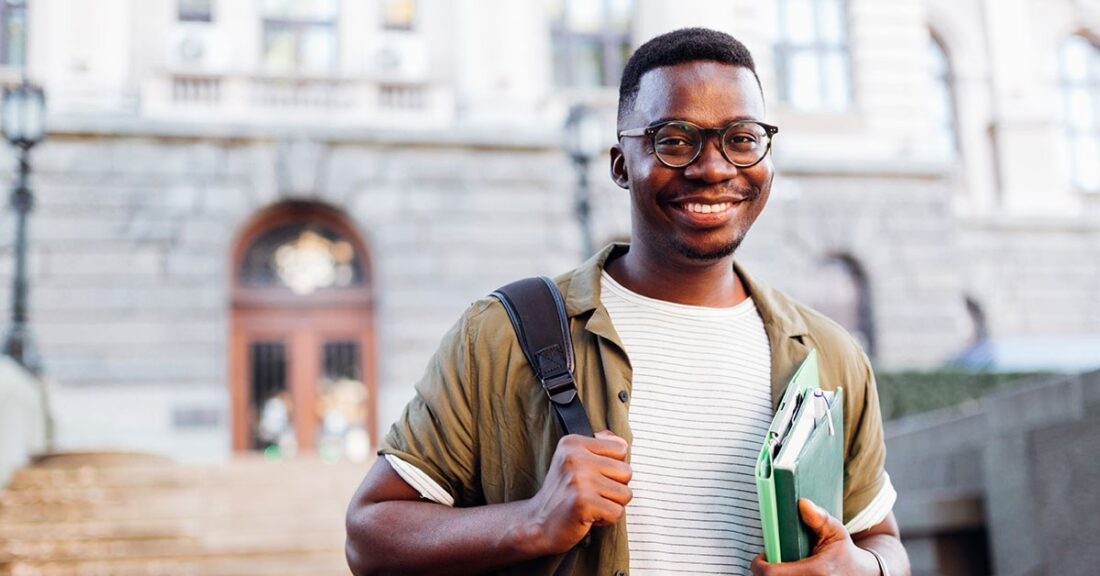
{"points": [[843, 294], [302, 257], [299, 36], [13, 33], [591, 41], [398, 14], [943, 102], [1080, 64], [811, 54], [196, 10]]}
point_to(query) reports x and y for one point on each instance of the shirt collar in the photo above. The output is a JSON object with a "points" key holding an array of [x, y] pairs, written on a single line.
{"points": [[584, 286], [584, 293], [783, 323]]}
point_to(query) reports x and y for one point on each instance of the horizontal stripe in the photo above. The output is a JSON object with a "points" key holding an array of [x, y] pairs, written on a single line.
{"points": [[700, 406], [704, 386], [694, 411], [730, 424]]}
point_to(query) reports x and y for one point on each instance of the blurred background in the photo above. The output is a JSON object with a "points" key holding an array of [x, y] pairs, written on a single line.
{"points": [[239, 228]]}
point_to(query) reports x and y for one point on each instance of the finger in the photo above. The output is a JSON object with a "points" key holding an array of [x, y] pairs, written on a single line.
{"points": [[609, 435], [600, 446], [607, 444], [616, 492], [616, 470], [759, 565], [606, 512], [821, 522]]}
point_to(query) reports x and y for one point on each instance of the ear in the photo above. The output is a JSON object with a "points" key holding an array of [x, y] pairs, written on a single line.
{"points": [[618, 168]]}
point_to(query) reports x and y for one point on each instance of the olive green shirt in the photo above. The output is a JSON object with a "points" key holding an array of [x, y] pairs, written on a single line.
{"points": [[481, 426]]}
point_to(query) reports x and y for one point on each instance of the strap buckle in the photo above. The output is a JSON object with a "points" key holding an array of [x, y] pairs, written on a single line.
{"points": [[561, 388]]}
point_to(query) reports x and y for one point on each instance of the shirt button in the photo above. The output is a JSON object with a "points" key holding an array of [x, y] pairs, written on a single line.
{"points": [[623, 397]]}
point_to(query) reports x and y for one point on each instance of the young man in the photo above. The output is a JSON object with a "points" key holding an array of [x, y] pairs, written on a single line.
{"points": [[680, 358]]}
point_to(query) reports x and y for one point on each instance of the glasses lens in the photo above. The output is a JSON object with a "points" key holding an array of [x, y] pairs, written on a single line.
{"points": [[745, 143], [676, 144]]}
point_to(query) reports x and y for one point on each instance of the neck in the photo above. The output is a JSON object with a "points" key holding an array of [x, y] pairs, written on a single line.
{"points": [[711, 283]]}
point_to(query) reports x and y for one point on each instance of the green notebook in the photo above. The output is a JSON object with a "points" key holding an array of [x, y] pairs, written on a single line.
{"points": [[802, 457]]}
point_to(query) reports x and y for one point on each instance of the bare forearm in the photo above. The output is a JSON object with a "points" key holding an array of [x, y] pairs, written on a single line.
{"points": [[891, 550], [416, 537], [392, 531]]}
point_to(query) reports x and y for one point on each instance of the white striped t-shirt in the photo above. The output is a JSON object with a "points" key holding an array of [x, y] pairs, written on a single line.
{"points": [[700, 405]]}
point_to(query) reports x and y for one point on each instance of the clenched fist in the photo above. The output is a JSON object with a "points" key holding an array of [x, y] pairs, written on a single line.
{"points": [[586, 486]]}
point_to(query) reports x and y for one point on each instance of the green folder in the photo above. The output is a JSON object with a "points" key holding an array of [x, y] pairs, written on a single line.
{"points": [[802, 457]]}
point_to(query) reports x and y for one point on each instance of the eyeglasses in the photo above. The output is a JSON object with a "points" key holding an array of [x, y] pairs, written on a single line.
{"points": [[678, 143]]}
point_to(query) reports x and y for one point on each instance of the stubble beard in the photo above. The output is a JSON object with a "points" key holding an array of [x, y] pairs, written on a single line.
{"points": [[724, 251]]}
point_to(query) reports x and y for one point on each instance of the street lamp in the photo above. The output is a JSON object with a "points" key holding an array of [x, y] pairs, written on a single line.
{"points": [[24, 111], [583, 141]]}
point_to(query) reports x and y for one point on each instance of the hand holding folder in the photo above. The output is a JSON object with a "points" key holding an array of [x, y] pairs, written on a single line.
{"points": [[802, 457]]}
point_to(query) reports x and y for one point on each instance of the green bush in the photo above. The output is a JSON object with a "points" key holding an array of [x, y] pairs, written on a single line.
{"points": [[910, 392]]}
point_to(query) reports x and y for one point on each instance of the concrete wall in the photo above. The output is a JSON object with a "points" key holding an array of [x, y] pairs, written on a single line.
{"points": [[135, 225], [23, 421], [132, 240]]}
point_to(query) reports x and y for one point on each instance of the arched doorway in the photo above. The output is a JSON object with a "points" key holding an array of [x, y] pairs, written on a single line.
{"points": [[302, 368], [843, 293]]}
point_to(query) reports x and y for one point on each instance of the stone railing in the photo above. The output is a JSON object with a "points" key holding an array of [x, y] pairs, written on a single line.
{"points": [[23, 420], [1006, 485], [178, 95]]}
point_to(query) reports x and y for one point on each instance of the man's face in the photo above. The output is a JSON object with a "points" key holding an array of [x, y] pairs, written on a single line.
{"points": [[666, 210]]}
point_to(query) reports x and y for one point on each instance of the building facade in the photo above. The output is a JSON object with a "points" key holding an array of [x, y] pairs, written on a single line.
{"points": [[255, 220]]}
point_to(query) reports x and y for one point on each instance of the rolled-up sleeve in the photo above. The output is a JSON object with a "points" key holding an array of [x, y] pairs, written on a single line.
{"points": [[436, 433], [865, 478]]}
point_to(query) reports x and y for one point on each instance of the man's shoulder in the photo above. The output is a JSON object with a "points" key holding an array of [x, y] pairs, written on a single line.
{"points": [[486, 321], [826, 335], [484, 316], [487, 310]]}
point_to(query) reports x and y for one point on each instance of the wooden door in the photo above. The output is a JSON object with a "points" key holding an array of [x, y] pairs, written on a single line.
{"points": [[302, 360]]}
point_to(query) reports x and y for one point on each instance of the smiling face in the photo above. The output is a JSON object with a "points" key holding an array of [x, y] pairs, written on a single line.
{"points": [[699, 213]]}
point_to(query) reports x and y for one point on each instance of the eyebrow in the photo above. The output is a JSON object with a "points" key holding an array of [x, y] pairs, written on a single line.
{"points": [[741, 118]]}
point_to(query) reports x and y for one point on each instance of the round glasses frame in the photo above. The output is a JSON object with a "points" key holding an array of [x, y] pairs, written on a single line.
{"points": [[651, 132]]}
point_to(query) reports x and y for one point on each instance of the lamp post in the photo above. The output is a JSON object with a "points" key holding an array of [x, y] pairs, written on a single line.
{"points": [[23, 111], [582, 143]]}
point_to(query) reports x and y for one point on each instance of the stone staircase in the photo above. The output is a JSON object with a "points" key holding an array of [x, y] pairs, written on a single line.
{"points": [[132, 515]]}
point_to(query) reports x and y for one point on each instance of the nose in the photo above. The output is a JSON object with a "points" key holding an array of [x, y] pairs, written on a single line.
{"points": [[711, 166]]}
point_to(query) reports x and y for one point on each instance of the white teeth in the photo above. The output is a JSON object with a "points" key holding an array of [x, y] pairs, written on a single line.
{"points": [[706, 208]]}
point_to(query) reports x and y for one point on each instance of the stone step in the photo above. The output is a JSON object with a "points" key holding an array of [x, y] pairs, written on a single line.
{"points": [[270, 563], [97, 549], [118, 515], [167, 528], [88, 528], [217, 507], [229, 475], [198, 499], [210, 543]]}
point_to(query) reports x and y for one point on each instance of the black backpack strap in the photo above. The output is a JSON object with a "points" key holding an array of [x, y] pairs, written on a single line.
{"points": [[537, 311]]}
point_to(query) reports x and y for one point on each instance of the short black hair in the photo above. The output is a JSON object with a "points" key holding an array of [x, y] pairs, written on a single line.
{"points": [[677, 47]]}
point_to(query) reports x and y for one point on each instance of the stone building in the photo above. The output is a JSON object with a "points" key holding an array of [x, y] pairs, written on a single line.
{"points": [[255, 220]]}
